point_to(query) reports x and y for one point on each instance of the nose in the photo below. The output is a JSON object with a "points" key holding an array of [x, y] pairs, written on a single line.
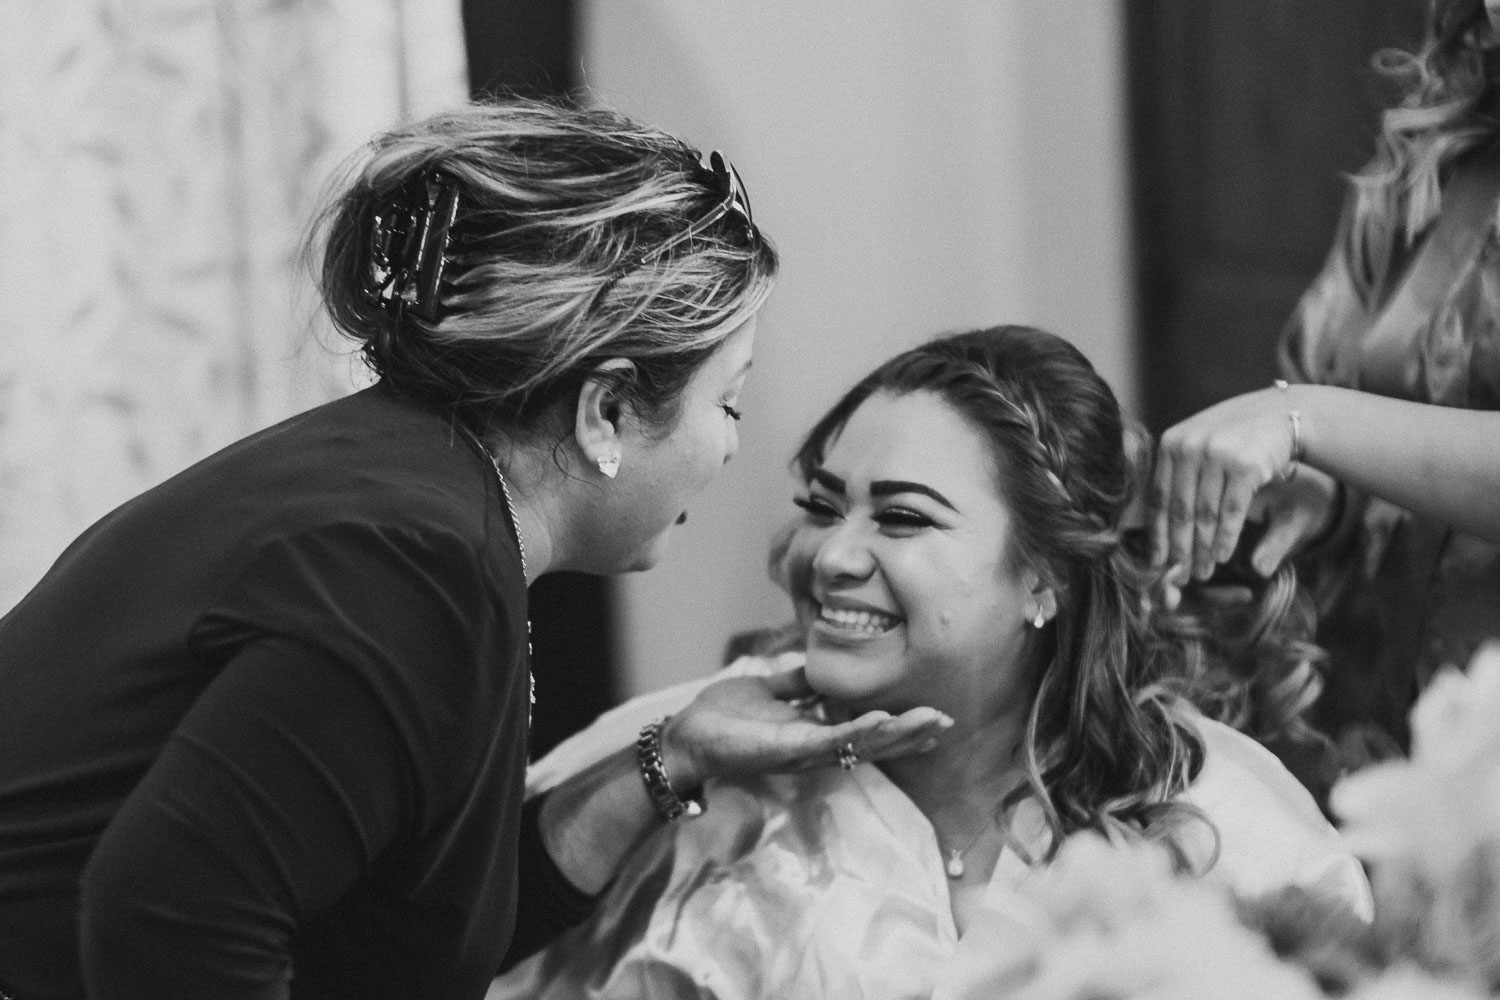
{"points": [[843, 555]]}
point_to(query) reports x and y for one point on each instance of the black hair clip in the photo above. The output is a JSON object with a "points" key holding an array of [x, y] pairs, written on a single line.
{"points": [[409, 245]]}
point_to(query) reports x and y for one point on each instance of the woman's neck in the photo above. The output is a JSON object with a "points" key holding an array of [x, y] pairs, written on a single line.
{"points": [[526, 476], [959, 783]]}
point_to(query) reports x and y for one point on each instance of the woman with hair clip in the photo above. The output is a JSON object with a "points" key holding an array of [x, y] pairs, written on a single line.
{"points": [[1375, 463], [263, 729], [962, 546]]}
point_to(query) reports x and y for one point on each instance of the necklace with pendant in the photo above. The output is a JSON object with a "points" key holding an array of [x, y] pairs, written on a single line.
{"points": [[954, 866], [515, 524]]}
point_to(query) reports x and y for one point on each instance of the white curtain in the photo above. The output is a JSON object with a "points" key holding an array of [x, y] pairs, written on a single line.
{"points": [[159, 160]]}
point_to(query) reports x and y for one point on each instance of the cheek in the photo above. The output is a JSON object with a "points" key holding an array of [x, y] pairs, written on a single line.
{"points": [[794, 570], [953, 607]]}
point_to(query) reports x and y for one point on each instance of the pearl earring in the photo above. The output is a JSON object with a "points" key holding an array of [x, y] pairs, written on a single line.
{"points": [[609, 464], [1040, 619]]}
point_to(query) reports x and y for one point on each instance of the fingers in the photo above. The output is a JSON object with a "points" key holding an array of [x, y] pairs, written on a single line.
{"points": [[1202, 494], [1161, 492], [1282, 533], [880, 736], [1234, 507], [1181, 507], [1172, 582], [1206, 517]]}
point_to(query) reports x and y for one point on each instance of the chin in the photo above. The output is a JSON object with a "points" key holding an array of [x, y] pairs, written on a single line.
{"points": [[841, 677], [646, 557]]}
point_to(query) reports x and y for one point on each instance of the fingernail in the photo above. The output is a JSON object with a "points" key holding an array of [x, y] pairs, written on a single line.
{"points": [[930, 744]]}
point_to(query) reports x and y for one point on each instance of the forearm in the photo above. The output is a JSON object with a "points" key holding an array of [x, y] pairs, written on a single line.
{"points": [[1440, 462], [591, 822]]}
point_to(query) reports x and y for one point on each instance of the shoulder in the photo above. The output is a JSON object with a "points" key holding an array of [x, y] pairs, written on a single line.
{"points": [[1271, 833]]}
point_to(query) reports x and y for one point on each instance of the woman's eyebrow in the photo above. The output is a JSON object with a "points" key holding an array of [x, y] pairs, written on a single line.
{"points": [[828, 481], [889, 487]]}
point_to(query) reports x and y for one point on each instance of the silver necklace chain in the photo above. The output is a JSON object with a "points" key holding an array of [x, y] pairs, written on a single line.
{"points": [[515, 519], [515, 524]]}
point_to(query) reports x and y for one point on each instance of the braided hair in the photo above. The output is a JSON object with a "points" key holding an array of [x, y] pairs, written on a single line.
{"points": [[1107, 746]]}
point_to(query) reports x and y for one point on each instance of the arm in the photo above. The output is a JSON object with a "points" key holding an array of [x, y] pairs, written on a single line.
{"points": [[740, 725], [263, 808], [1439, 462]]}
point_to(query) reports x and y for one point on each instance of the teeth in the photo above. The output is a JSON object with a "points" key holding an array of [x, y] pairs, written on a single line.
{"points": [[871, 622]]}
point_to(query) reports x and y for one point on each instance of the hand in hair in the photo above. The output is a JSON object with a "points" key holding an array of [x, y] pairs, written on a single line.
{"points": [[1234, 461]]}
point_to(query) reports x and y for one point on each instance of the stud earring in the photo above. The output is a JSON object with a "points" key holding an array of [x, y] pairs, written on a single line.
{"points": [[609, 464], [1040, 619]]}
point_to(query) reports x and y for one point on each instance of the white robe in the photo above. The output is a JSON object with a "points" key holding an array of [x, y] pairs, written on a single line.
{"points": [[831, 883]]}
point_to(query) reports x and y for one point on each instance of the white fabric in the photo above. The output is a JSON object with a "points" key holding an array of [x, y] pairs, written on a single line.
{"points": [[160, 161], [831, 884]]}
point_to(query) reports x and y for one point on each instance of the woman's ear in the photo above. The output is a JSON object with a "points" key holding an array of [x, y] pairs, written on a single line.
{"points": [[1043, 606], [596, 424]]}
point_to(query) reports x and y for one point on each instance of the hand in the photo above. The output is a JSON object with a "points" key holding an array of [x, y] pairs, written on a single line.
{"points": [[1294, 511], [1208, 470], [756, 725]]}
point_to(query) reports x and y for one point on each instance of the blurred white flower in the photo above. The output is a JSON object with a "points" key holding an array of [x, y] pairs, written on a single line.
{"points": [[1436, 808], [1112, 922], [1407, 983]]}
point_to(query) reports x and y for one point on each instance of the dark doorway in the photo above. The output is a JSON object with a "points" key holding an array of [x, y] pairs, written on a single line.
{"points": [[528, 47], [1245, 117]]}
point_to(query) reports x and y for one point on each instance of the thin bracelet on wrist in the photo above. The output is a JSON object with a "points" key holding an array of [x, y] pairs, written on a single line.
{"points": [[1294, 417], [668, 803]]}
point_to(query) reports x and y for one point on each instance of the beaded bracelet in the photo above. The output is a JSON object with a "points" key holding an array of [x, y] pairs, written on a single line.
{"points": [[654, 774]]}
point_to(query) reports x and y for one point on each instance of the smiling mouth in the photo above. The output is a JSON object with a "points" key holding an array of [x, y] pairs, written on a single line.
{"points": [[851, 621]]}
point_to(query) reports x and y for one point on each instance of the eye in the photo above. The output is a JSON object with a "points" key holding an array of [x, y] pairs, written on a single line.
{"points": [[817, 508], [902, 520], [730, 411]]}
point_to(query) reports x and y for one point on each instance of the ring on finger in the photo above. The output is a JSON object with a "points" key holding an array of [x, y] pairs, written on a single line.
{"points": [[847, 757]]}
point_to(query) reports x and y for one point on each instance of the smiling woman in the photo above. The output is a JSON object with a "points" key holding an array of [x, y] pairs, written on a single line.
{"points": [[962, 546]]}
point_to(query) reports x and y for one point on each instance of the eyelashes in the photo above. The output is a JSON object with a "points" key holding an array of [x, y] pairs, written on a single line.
{"points": [[889, 518], [815, 507], [730, 411]]}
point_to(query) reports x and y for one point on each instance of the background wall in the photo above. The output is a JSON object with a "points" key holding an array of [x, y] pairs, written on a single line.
{"points": [[922, 167]]}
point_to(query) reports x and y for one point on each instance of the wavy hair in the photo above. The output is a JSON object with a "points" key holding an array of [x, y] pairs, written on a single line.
{"points": [[1107, 746], [1449, 105], [556, 203]]}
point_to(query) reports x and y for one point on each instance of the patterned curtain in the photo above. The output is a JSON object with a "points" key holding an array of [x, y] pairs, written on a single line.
{"points": [[159, 160]]}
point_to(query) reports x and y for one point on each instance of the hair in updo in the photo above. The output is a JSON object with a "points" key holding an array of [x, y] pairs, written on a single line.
{"points": [[1106, 745], [555, 203]]}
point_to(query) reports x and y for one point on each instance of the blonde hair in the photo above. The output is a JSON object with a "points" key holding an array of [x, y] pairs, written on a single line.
{"points": [[1448, 107], [555, 202]]}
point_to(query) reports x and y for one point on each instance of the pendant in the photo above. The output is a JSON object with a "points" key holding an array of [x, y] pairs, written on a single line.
{"points": [[955, 865]]}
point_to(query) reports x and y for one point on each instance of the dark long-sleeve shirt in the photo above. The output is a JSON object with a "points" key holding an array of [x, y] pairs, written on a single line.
{"points": [[263, 729]]}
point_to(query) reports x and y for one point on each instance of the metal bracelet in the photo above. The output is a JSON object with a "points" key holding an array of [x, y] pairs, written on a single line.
{"points": [[668, 803], [1295, 418]]}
